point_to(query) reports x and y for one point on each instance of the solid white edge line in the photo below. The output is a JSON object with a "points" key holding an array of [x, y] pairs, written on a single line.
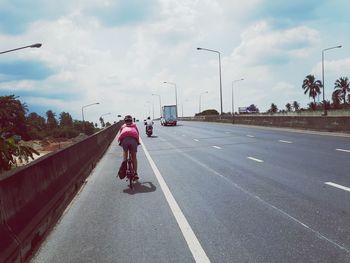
{"points": [[254, 159], [342, 150], [338, 186], [284, 141], [216, 147], [195, 247]]}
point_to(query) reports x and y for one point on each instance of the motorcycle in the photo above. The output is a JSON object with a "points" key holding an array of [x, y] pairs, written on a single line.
{"points": [[149, 131]]}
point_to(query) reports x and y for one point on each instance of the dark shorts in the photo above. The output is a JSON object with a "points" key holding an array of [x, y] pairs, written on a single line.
{"points": [[129, 143]]}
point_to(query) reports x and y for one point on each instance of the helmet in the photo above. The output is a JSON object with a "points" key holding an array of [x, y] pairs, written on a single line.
{"points": [[128, 119], [149, 118]]}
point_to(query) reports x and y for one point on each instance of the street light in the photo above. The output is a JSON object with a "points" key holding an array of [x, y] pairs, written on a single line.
{"points": [[82, 113], [199, 48], [233, 110], [37, 45], [160, 104], [175, 93], [200, 100], [324, 102]]}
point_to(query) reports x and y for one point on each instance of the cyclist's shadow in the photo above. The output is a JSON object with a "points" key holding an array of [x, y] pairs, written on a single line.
{"points": [[144, 187]]}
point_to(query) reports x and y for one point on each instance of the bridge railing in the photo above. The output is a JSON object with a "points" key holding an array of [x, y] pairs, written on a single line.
{"points": [[33, 197]]}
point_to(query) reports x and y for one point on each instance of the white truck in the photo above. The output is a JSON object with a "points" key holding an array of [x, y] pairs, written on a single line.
{"points": [[169, 116]]}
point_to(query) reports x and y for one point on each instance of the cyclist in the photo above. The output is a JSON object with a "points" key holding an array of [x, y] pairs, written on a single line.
{"points": [[129, 139]]}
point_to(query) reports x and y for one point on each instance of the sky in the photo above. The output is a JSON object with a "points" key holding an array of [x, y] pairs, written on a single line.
{"points": [[119, 52]]}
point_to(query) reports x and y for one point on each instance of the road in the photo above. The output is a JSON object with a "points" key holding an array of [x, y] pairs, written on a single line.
{"points": [[213, 193]]}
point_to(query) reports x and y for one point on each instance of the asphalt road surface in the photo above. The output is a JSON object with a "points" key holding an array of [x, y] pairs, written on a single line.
{"points": [[213, 193]]}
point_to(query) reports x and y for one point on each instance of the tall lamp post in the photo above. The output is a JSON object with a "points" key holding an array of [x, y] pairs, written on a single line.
{"points": [[324, 101], [199, 48], [233, 110], [37, 45], [82, 113], [160, 104], [200, 95], [174, 84]]}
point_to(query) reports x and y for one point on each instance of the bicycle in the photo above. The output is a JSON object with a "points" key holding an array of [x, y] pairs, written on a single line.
{"points": [[130, 172]]}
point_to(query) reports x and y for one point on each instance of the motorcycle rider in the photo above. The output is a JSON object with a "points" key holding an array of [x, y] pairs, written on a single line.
{"points": [[149, 123]]}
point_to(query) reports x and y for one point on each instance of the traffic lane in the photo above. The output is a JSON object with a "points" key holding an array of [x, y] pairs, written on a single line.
{"points": [[271, 153], [237, 227], [109, 223], [325, 163], [327, 141], [293, 178], [312, 202]]}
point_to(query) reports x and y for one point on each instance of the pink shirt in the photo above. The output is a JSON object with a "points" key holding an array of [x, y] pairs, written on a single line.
{"points": [[128, 131]]}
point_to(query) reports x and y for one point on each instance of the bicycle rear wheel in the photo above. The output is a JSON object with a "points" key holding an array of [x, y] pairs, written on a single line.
{"points": [[131, 173]]}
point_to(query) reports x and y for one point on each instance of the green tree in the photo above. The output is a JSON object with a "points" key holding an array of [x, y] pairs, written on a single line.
{"points": [[289, 107], [273, 108], [102, 122], [296, 105], [12, 124], [36, 126], [51, 121], [12, 115], [312, 86], [312, 105], [341, 87], [12, 152], [66, 120]]}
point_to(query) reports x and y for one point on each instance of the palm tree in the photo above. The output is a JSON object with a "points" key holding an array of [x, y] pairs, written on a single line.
{"points": [[312, 86], [341, 87]]}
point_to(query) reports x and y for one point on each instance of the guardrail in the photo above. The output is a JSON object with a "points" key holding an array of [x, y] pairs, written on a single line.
{"points": [[33, 197], [317, 123]]}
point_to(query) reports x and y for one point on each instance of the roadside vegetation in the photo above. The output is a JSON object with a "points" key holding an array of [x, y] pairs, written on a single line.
{"points": [[17, 127]]}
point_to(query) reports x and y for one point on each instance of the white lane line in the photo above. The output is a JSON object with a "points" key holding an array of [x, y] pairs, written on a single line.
{"points": [[183, 135], [216, 147], [254, 159], [198, 252], [196, 140], [342, 150], [285, 141], [250, 136], [338, 186], [227, 132]]}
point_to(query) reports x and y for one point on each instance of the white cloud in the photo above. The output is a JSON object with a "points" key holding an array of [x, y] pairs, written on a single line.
{"points": [[262, 45], [120, 66]]}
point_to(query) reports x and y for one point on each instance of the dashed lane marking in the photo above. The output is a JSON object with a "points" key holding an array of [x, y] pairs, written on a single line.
{"points": [[196, 140], [216, 147], [254, 159], [285, 141], [342, 150], [338, 186], [250, 136]]}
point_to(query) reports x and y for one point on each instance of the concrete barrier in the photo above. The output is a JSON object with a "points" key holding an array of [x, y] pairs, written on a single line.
{"points": [[317, 123], [33, 197]]}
